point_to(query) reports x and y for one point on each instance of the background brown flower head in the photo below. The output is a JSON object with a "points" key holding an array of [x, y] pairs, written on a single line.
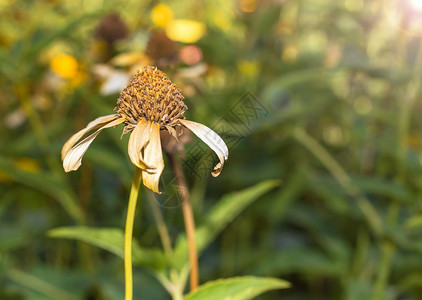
{"points": [[163, 51]]}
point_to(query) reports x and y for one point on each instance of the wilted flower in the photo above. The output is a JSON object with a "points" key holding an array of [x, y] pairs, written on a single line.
{"points": [[111, 29], [163, 51], [150, 103]]}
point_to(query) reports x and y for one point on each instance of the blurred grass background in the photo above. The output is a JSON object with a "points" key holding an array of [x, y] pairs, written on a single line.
{"points": [[340, 81]]}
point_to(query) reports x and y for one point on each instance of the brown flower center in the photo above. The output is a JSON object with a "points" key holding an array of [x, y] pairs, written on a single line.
{"points": [[152, 96]]}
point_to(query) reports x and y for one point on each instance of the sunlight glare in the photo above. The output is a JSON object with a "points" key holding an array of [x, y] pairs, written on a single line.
{"points": [[416, 4]]}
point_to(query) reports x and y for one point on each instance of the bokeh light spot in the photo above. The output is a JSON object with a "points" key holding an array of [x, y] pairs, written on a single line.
{"points": [[290, 54], [185, 31], [27, 164], [248, 6], [64, 65], [416, 5], [333, 135], [353, 5], [362, 105], [161, 15], [248, 68], [191, 55]]}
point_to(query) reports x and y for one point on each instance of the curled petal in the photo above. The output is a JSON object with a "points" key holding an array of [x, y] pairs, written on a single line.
{"points": [[95, 124], [73, 157], [138, 140], [212, 139], [153, 156]]}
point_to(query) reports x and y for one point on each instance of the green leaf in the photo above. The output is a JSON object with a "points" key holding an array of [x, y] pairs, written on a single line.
{"points": [[112, 239], [384, 187], [237, 288], [229, 207], [358, 289]]}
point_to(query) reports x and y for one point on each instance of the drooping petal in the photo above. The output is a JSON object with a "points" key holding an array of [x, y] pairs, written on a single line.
{"points": [[153, 156], [73, 157], [212, 139], [98, 122], [138, 140]]}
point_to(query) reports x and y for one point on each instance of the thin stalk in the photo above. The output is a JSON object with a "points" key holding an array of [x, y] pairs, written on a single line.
{"points": [[368, 210], [161, 225], [189, 222], [174, 287], [129, 232]]}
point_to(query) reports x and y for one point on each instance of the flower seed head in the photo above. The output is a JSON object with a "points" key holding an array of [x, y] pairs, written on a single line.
{"points": [[150, 95]]}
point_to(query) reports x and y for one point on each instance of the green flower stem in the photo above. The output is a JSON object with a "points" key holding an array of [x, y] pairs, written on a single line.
{"points": [[129, 231], [189, 222]]}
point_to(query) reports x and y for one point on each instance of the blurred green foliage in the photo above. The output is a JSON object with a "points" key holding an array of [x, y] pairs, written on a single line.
{"points": [[338, 87]]}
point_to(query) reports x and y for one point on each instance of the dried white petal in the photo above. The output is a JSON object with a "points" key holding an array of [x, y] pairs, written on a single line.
{"points": [[98, 122], [115, 83], [212, 139], [138, 140], [73, 157], [153, 156]]}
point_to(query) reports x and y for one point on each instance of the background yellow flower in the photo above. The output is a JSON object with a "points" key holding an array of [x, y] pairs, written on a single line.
{"points": [[185, 31], [64, 65], [161, 15]]}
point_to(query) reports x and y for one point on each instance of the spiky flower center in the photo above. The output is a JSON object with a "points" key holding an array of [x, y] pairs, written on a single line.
{"points": [[152, 96]]}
